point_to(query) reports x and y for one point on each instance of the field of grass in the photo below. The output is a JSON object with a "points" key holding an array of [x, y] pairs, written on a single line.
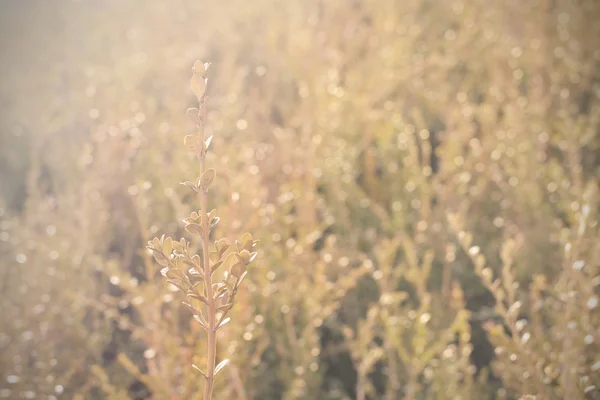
{"points": [[416, 183]]}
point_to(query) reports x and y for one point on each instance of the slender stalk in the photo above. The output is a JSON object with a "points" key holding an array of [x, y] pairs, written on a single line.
{"points": [[212, 327], [212, 334], [175, 256]]}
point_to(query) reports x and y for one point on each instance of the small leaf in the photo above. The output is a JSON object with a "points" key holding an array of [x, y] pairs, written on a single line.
{"points": [[199, 370], [244, 256], [197, 297], [247, 242], [230, 260], [212, 214], [175, 274], [221, 365], [194, 228], [191, 307], [197, 261], [221, 288], [199, 67], [252, 257], [207, 142], [246, 237], [222, 296], [198, 85], [200, 320], [222, 245], [214, 222], [179, 262], [240, 279], [177, 283], [216, 266], [194, 115], [192, 218], [160, 258], [189, 184], [225, 321], [196, 272], [230, 288], [225, 307], [196, 282], [207, 177], [178, 247], [238, 269], [168, 246], [193, 143]]}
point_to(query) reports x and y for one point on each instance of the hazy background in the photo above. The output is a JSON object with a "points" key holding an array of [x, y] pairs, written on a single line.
{"points": [[422, 175]]}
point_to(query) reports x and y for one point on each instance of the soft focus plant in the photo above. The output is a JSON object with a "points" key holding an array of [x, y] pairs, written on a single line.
{"points": [[209, 298]]}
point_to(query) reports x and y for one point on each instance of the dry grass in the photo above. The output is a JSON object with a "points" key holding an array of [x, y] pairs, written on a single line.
{"points": [[422, 176]]}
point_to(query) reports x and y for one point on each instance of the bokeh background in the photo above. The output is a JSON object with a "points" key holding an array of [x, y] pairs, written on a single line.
{"points": [[422, 175]]}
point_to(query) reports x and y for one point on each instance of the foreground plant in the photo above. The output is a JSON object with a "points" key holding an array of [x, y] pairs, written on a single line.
{"points": [[209, 298]]}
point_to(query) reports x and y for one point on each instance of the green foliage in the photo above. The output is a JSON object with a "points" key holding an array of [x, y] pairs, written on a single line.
{"points": [[422, 177]]}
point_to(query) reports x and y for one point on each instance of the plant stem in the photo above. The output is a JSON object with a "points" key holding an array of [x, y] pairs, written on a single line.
{"points": [[211, 331], [212, 334]]}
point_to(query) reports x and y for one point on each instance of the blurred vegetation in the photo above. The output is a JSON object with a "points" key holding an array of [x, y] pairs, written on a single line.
{"points": [[422, 176]]}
